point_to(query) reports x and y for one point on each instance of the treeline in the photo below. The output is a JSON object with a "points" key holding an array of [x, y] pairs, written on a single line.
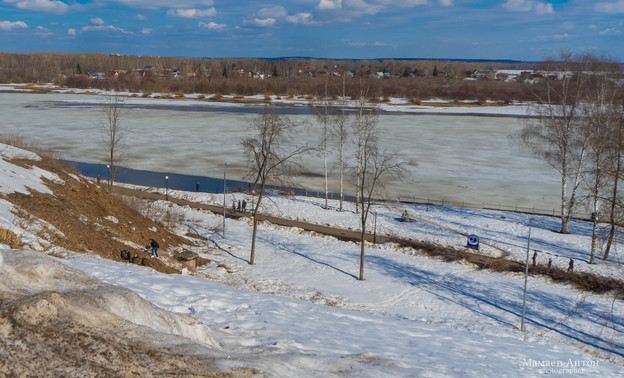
{"points": [[411, 79]]}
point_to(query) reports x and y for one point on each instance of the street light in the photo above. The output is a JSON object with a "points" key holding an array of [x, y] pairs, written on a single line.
{"points": [[167, 188], [224, 189], [526, 277], [108, 176]]}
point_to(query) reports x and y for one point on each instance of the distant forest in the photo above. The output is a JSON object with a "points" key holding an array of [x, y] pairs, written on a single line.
{"points": [[413, 79]]}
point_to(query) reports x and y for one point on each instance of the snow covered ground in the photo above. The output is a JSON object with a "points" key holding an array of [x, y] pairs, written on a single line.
{"points": [[195, 99], [300, 310]]}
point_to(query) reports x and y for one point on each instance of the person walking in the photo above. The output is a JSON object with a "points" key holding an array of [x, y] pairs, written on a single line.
{"points": [[534, 259], [238, 207], [549, 263], [244, 206], [154, 244], [571, 265]]}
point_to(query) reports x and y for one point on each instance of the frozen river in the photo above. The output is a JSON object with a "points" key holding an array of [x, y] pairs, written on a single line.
{"points": [[460, 158]]}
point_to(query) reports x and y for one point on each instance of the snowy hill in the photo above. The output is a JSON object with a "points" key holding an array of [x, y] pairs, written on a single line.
{"points": [[299, 311]]}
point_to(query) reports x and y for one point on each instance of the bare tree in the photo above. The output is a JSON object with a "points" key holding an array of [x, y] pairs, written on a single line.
{"points": [[556, 135], [270, 157], [616, 173], [600, 125], [323, 110], [113, 133], [365, 120], [373, 166], [340, 134]]}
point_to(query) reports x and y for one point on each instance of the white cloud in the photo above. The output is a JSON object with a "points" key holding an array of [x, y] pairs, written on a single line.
{"points": [[97, 21], [140, 17], [592, 26], [212, 26], [301, 18], [555, 36], [192, 13], [8, 25], [544, 8], [529, 5], [51, 6], [71, 31], [274, 12], [567, 25], [43, 32], [611, 7], [364, 44], [146, 31], [446, 3], [329, 5], [263, 22], [158, 4], [98, 28], [611, 31]]}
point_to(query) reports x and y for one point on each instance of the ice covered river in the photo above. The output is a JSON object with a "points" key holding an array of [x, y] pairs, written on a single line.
{"points": [[460, 158]]}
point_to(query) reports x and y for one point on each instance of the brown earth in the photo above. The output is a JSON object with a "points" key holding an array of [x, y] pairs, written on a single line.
{"points": [[78, 210]]}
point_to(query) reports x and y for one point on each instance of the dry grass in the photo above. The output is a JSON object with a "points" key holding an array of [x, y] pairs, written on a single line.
{"points": [[581, 280], [81, 211], [9, 238]]}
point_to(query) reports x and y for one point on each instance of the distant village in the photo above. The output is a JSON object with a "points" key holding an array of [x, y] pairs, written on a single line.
{"points": [[524, 76]]}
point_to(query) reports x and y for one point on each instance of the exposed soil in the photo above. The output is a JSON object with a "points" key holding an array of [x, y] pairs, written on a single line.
{"points": [[89, 219]]}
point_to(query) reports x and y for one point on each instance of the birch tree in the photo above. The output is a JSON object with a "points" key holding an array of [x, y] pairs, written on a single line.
{"points": [[113, 133], [365, 119], [340, 134], [374, 166], [322, 111], [601, 125], [270, 157], [556, 134]]}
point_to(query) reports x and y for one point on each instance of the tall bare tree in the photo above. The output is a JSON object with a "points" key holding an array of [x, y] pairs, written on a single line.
{"points": [[322, 109], [556, 135], [614, 200], [365, 120], [601, 124], [271, 157], [340, 134], [374, 166], [113, 133]]}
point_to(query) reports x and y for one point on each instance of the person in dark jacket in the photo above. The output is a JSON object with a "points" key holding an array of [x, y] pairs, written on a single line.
{"points": [[571, 265], [154, 244]]}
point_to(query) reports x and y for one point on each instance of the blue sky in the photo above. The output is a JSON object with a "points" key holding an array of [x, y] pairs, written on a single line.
{"points": [[474, 29]]}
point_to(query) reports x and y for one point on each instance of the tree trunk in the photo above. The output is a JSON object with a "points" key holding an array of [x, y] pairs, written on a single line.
{"points": [[362, 240], [616, 179], [341, 159], [564, 203], [253, 239]]}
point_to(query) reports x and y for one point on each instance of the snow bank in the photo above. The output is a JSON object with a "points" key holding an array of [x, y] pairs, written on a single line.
{"points": [[18, 179], [88, 300]]}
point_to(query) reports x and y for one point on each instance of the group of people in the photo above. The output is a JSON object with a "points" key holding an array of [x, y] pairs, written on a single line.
{"points": [[570, 263], [240, 207]]}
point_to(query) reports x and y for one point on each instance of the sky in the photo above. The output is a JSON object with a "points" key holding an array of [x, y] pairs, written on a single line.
{"points": [[527, 30]]}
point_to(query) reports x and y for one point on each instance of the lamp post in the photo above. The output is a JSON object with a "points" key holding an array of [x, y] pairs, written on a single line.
{"points": [[166, 188], [526, 277], [108, 176], [224, 189]]}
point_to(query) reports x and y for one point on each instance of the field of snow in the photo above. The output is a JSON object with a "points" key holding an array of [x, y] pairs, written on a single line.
{"points": [[300, 310]]}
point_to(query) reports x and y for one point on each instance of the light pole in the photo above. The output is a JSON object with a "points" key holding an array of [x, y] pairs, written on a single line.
{"points": [[108, 176], [166, 188], [224, 189], [526, 277]]}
